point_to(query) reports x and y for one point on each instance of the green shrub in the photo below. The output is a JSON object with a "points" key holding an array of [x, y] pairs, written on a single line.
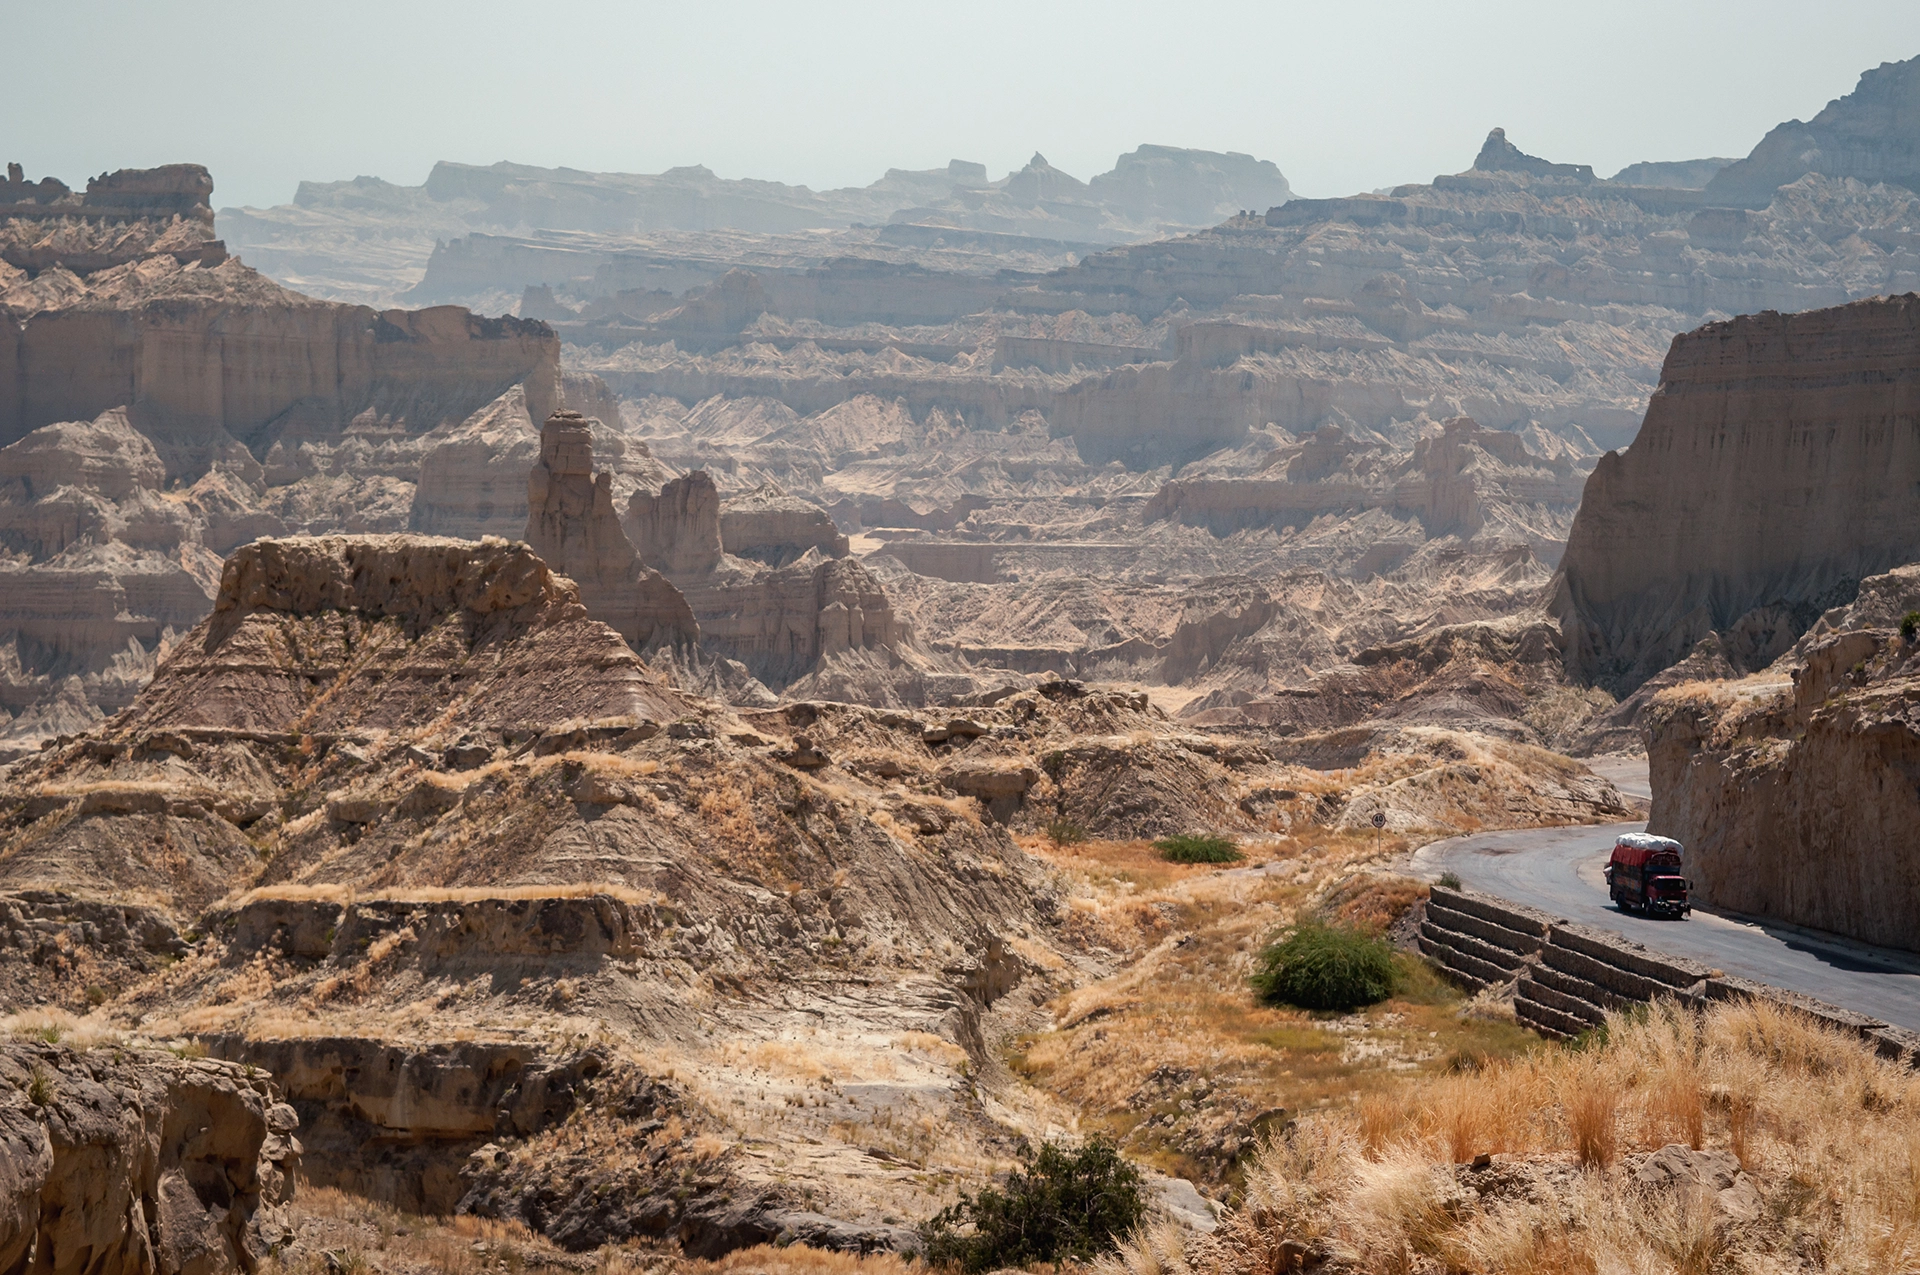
{"points": [[1194, 849], [1450, 880], [1909, 625], [1064, 1204], [1321, 966], [1065, 832]]}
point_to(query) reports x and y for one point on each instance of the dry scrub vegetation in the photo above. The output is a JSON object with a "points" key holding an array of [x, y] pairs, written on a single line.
{"points": [[1174, 1054], [1818, 1144]]}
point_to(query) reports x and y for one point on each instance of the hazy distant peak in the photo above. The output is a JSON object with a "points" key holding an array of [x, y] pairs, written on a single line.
{"points": [[1871, 135], [1498, 155]]}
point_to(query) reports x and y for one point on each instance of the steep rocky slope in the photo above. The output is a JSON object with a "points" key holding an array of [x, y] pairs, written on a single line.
{"points": [[1871, 135], [1774, 470], [1795, 788], [127, 1162]]}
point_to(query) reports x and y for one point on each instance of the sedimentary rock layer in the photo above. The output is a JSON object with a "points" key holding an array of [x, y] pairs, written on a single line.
{"points": [[1775, 469], [571, 523], [418, 621], [123, 1163], [1796, 790]]}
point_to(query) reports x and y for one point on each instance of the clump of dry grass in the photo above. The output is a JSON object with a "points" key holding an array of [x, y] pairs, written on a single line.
{"points": [[57, 1026], [1829, 1132]]}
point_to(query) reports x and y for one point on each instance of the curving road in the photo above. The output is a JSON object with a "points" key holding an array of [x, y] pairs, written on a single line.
{"points": [[1558, 870]]}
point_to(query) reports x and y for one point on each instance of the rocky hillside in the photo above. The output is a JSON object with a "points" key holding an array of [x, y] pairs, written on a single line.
{"points": [[1774, 471], [128, 1161], [520, 928], [1793, 788]]}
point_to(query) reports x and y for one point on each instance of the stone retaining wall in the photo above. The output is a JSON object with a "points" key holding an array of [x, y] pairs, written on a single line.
{"points": [[1566, 976]]}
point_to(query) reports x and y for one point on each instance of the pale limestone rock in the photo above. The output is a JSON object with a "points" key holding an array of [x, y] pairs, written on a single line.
{"points": [[1730, 501], [571, 524], [768, 525], [677, 530]]}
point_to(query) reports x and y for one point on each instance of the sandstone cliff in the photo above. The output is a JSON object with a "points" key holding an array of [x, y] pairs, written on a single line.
{"points": [[1794, 790], [677, 529], [572, 525], [1774, 470], [124, 1163]]}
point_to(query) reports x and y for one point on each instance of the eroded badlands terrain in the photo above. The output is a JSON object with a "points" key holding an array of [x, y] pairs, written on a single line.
{"points": [[675, 768]]}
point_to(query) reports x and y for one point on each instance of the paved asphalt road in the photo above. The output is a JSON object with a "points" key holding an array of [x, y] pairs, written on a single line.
{"points": [[1558, 870]]}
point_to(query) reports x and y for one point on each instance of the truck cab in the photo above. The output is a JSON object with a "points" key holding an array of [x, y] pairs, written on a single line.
{"points": [[1644, 875]]}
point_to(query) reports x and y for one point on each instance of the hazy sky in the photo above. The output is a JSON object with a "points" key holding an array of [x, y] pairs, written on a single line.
{"points": [[1342, 96]]}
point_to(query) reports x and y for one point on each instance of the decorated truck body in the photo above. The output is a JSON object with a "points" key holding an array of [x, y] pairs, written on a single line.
{"points": [[1644, 876]]}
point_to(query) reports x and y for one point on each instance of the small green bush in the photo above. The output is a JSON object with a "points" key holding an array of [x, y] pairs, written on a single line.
{"points": [[1321, 966], [1909, 626], [1065, 832], [1193, 849], [1450, 880], [1065, 1204]]}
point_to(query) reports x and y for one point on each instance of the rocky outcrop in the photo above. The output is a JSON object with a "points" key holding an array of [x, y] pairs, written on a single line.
{"points": [[473, 474], [1871, 135], [420, 619], [60, 950], [769, 526], [572, 525], [1188, 187], [395, 1122], [1795, 790], [392, 643], [782, 623], [1774, 470], [124, 1163], [473, 481], [677, 529], [1498, 155]]}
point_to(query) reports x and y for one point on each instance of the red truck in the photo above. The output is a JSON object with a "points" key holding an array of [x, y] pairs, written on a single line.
{"points": [[1644, 876]]}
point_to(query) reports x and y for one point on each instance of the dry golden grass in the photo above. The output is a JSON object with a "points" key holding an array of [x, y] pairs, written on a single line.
{"points": [[1181, 1005], [1831, 1135], [57, 1026]]}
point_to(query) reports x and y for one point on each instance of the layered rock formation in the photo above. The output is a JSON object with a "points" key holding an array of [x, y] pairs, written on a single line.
{"points": [[677, 529], [571, 524], [769, 526], [1871, 135], [446, 636], [1795, 790], [1775, 470], [129, 1162], [161, 404]]}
